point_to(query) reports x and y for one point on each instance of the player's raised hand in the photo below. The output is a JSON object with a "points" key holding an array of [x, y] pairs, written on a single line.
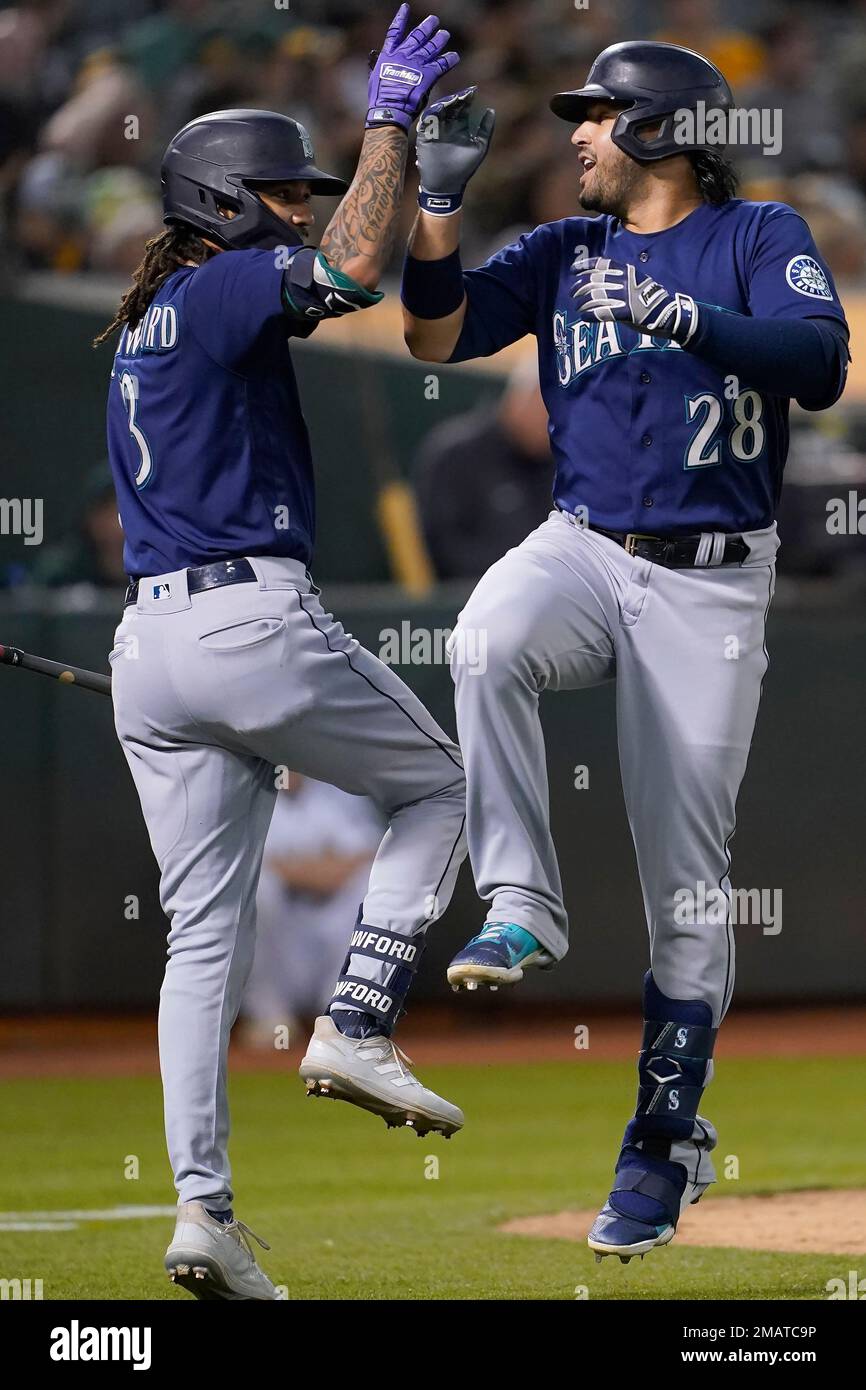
{"points": [[404, 72], [608, 290], [451, 145]]}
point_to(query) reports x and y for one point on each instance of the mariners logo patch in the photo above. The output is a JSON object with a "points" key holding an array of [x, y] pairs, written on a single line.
{"points": [[806, 277]]}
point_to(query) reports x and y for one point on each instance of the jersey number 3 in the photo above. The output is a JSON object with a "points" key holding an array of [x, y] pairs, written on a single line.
{"points": [[129, 392], [747, 434]]}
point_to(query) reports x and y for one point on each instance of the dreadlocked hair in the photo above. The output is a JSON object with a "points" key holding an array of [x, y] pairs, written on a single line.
{"points": [[716, 177], [163, 255]]}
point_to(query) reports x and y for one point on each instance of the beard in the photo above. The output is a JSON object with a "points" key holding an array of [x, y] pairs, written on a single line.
{"points": [[611, 188]]}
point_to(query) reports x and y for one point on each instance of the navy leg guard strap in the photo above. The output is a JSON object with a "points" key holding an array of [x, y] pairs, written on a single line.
{"points": [[648, 1194], [383, 999]]}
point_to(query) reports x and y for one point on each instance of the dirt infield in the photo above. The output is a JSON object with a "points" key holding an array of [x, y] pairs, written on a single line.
{"points": [[797, 1223], [126, 1046]]}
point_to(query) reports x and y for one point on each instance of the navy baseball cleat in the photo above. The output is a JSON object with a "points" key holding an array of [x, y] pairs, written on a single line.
{"points": [[497, 956], [642, 1211]]}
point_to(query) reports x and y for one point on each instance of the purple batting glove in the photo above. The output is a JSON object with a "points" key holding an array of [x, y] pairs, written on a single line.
{"points": [[403, 74]]}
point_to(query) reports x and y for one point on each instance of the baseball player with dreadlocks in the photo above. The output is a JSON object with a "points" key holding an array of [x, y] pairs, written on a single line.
{"points": [[673, 329], [226, 666]]}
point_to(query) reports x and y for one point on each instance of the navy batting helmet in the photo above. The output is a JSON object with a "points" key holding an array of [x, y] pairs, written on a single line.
{"points": [[216, 158], [656, 80]]}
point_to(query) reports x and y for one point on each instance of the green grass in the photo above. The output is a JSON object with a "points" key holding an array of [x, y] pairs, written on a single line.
{"points": [[350, 1215]]}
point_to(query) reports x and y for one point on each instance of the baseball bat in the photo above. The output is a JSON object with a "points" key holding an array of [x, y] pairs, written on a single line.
{"points": [[67, 675]]}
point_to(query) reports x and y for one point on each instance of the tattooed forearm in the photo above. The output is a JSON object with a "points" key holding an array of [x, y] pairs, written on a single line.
{"points": [[361, 232]]}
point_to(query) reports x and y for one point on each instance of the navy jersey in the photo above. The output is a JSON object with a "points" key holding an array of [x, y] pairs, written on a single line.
{"points": [[208, 447], [646, 436]]}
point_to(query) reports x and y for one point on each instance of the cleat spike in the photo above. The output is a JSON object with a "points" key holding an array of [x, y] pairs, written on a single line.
{"points": [[624, 1259], [172, 1274], [199, 1271], [182, 1269], [598, 1258], [493, 989], [471, 984], [455, 989]]}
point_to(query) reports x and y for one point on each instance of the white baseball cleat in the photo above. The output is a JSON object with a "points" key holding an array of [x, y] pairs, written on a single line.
{"points": [[214, 1260], [374, 1074]]}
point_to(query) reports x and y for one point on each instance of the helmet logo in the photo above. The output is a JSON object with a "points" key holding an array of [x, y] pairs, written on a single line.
{"points": [[309, 152]]}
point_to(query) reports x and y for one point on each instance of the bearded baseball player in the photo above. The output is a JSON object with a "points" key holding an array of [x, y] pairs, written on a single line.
{"points": [[226, 666], [673, 329]]}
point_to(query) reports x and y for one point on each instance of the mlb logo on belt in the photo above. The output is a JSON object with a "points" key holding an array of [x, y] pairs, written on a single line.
{"points": [[162, 591]]}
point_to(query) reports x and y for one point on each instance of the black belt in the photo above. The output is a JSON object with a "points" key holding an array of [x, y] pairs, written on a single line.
{"points": [[677, 552], [206, 577]]}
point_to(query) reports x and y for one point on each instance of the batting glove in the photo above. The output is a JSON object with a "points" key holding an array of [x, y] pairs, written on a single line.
{"points": [[451, 146], [403, 74], [606, 290]]}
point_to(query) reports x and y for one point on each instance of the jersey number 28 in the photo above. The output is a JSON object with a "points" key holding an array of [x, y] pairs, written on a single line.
{"points": [[746, 440]]}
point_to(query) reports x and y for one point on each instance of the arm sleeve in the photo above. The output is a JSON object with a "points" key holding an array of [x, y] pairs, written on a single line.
{"points": [[501, 299], [806, 359], [232, 304]]}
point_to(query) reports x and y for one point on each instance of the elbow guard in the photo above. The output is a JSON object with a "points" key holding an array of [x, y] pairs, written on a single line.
{"points": [[313, 289]]}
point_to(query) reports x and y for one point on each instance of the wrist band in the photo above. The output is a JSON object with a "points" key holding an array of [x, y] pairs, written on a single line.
{"points": [[440, 204], [387, 115], [432, 289]]}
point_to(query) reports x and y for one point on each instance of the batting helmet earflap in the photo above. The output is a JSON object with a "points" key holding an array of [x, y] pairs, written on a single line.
{"points": [[656, 80], [215, 158]]}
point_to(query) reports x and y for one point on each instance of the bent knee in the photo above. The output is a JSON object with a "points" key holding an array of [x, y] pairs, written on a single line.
{"points": [[493, 653]]}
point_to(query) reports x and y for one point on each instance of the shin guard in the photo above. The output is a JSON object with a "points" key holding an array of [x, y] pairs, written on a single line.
{"points": [[377, 974]]}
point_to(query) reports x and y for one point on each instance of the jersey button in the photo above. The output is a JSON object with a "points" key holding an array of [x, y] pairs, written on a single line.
{"points": [[647, 501], [644, 256], [647, 440], [645, 377]]}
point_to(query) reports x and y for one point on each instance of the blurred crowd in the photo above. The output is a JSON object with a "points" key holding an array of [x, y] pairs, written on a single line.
{"points": [[91, 91]]}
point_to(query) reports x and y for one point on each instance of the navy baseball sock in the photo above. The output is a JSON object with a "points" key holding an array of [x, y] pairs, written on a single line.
{"points": [[352, 1023], [224, 1216]]}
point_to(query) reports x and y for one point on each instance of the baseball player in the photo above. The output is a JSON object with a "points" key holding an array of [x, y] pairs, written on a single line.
{"points": [[227, 669], [673, 328]]}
